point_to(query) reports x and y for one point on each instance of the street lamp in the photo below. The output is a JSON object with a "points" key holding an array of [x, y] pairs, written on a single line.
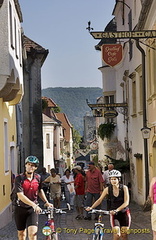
{"points": [[145, 132]]}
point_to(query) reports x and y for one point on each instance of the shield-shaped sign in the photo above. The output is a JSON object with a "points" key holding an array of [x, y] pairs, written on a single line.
{"points": [[111, 54]]}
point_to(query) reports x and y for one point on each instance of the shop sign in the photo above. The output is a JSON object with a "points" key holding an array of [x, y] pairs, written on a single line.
{"points": [[111, 54], [124, 34]]}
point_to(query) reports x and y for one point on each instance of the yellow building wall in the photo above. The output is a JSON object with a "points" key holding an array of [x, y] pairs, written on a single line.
{"points": [[8, 113]]}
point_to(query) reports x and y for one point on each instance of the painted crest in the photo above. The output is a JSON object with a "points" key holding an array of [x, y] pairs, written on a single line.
{"points": [[111, 54]]}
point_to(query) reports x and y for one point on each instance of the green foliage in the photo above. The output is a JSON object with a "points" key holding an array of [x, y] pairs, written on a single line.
{"points": [[105, 130], [76, 140], [57, 109], [44, 104], [122, 166], [73, 102]]}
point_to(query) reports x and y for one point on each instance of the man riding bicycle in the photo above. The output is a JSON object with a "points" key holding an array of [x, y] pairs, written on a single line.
{"points": [[28, 188]]}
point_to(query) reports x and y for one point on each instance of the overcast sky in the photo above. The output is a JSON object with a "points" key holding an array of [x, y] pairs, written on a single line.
{"points": [[60, 27]]}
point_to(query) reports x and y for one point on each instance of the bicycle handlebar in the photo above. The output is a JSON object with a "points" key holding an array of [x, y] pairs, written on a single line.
{"points": [[99, 211], [50, 210], [56, 210]]}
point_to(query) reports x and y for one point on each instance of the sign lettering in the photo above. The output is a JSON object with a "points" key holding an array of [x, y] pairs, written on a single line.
{"points": [[124, 34], [101, 105], [111, 54]]}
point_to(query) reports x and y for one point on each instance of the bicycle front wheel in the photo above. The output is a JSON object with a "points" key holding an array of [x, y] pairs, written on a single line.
{"points": [[98, 234], [95, 237], [53, 236]]}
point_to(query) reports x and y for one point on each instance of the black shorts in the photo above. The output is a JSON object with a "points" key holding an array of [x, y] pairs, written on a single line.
{"points": [[25, 217], [123, 218]]}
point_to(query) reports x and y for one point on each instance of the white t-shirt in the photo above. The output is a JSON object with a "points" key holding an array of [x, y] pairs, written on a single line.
{"points": [[70, 186]]}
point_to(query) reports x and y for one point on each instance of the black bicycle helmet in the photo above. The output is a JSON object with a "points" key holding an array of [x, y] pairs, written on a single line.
{"points": [[32, 159]]}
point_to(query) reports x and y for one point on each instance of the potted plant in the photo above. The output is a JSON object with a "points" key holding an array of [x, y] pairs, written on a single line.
{"points": [[106, 130]]}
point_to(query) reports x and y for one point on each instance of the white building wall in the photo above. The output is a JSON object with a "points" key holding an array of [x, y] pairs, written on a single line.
{"points": [[48, 152], [11, 55], [71, 146], [135, 121], [57, 147], [108, 79]]}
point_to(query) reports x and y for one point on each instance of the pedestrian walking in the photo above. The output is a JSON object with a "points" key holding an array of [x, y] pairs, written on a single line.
{"points": [[106, 178], [55, 187], [44, 174], [69, 190], [152, 194], [28, 188], [120, 218], [80, 190], [94, 186], [110, 167]]}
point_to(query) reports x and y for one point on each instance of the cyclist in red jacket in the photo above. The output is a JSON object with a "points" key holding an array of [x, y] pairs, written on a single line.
{"points": [[28, 188]]}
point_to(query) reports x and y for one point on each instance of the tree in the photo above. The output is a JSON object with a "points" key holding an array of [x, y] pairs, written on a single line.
{"points": [[76, 139]]}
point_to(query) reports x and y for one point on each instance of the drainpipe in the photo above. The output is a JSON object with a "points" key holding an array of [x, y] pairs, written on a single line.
{"points": [[30, 108], [144, 117], [29, 72]]}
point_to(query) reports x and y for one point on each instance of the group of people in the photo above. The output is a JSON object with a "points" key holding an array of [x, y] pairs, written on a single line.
{"points": [[81, 189], [95, 189]]}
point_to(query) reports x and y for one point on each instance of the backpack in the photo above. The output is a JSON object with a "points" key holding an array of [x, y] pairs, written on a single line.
{"points": [[13, 195]]}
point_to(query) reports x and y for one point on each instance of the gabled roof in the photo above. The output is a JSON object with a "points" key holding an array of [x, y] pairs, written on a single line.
{"points": [[65, 124], [33, 48], [63, 118], [50, 102], [49, 109]]}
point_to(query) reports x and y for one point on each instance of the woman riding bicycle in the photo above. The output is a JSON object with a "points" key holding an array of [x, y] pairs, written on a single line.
{"points": [[118, 196]]}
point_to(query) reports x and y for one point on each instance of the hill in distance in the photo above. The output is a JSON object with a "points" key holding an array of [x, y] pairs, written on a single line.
{"points": [[72, 102]]}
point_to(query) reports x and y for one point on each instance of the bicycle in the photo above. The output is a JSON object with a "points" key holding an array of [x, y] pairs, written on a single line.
{"points": [[49, 229], [99, 226]]}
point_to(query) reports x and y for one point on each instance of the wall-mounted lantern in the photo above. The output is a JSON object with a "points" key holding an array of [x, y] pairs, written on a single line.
{"points": [[145, 132]]}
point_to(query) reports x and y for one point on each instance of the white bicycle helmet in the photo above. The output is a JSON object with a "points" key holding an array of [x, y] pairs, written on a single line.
{"points": [[114, 173]]}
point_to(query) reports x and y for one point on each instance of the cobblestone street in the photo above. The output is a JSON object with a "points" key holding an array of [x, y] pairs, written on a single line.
{"points": [[69, 228]]}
